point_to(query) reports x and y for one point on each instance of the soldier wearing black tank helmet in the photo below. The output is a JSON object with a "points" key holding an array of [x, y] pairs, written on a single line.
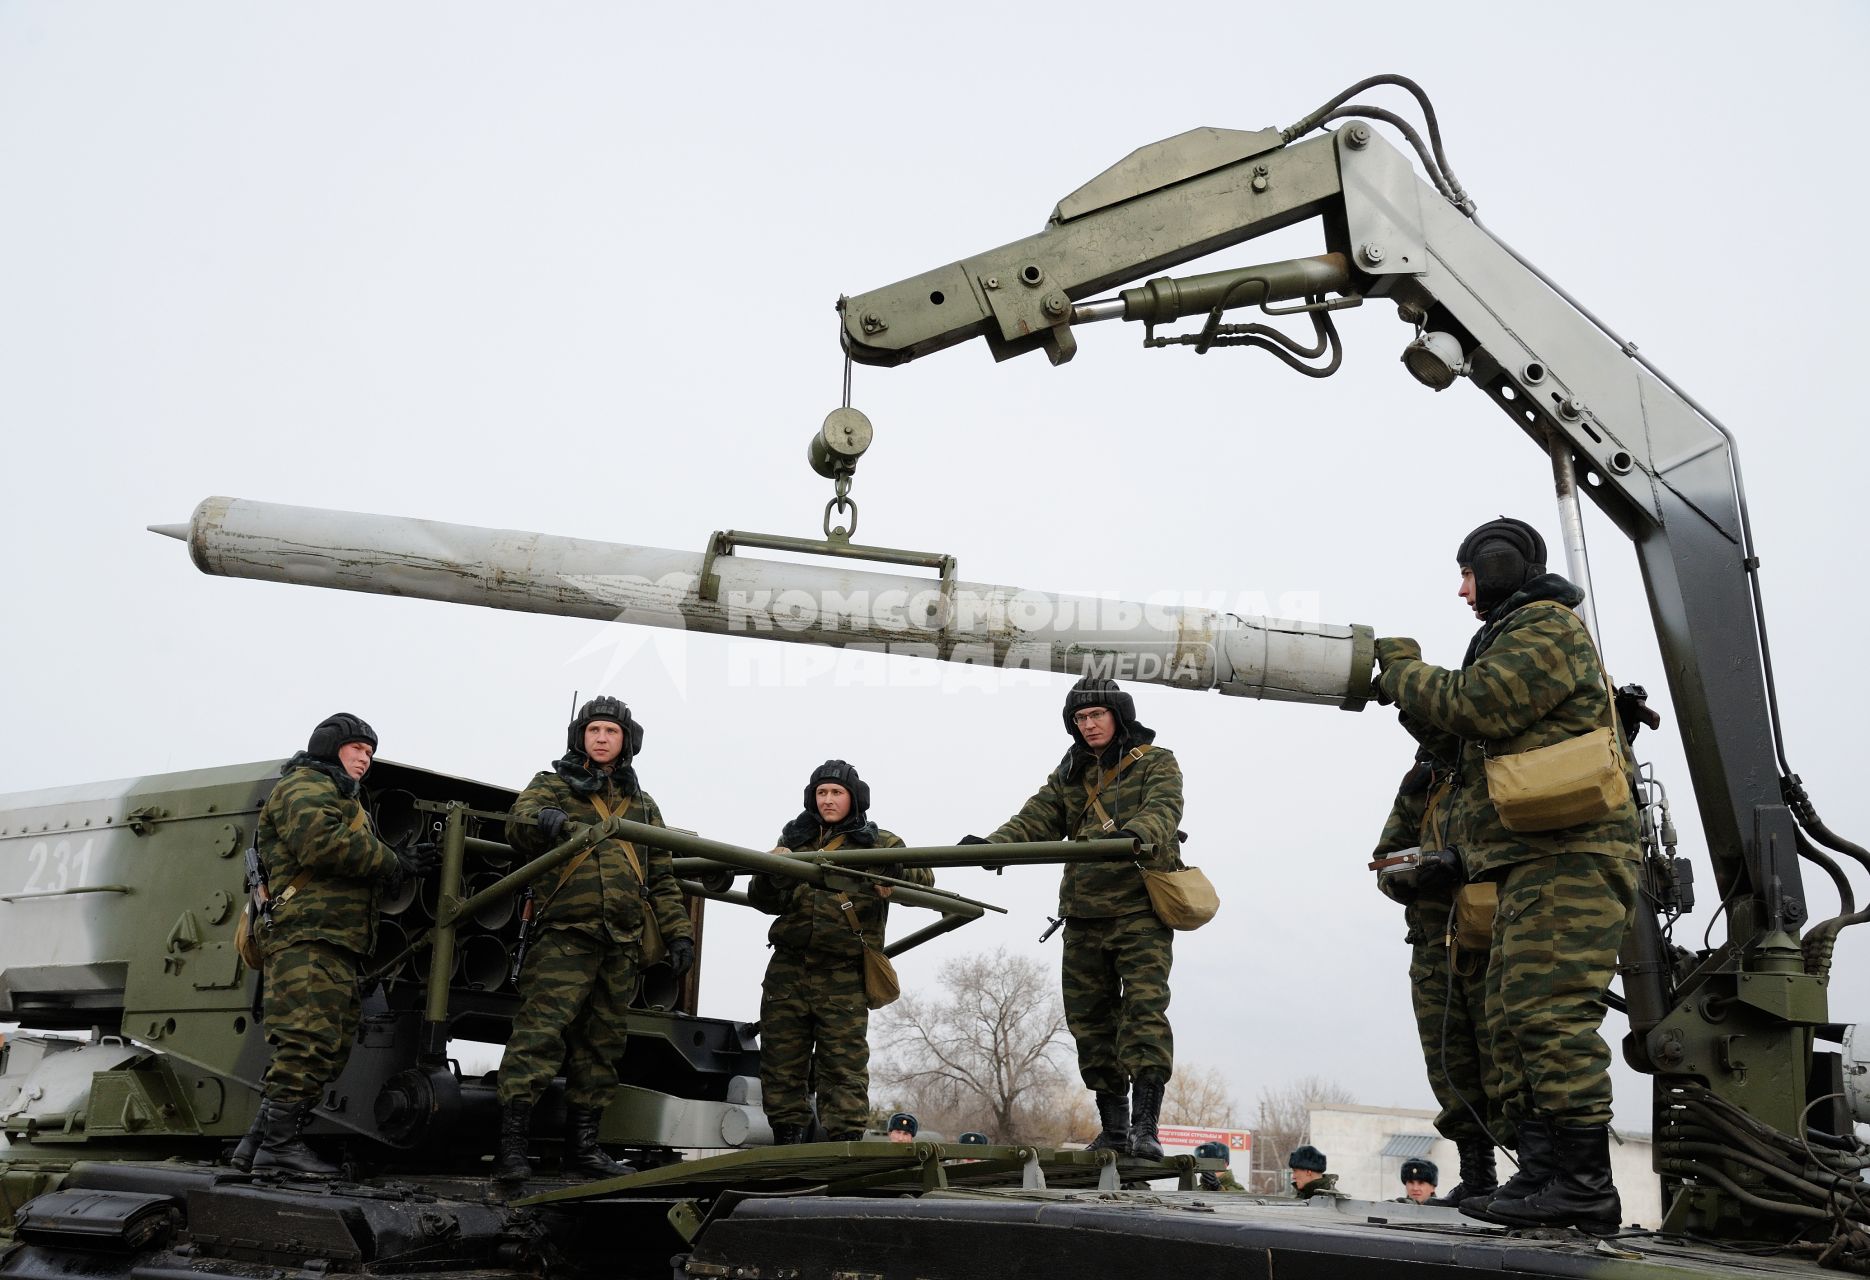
{"points": [[589, 918], [1531, 678], [325, 869], [1114, 781], [814, 1020]]}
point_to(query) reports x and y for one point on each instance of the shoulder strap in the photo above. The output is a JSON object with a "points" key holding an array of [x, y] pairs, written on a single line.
{"points": [[571, 867], [629, 850], [847, 910], [297, 883], [1610, 689], [1091, 791]]}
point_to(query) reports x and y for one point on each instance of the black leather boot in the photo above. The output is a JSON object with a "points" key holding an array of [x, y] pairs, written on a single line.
{"points": [[1580, 1193], [1478, 1177], [281, 1149], [1535, 1170], [245, 1149], [582, 1154], [1145, 1109], [788, 1135], [511, 1164], [1113, 1113]]}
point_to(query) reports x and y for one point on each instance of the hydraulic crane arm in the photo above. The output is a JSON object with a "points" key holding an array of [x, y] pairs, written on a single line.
{"points": [[1662, 469], [1160, 206], [1664, 473]]}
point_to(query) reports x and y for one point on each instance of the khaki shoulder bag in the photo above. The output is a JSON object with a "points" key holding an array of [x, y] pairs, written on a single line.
{"points": [[1182, 899], [1578, 780], [881, 985], [1474, 908], [654, 949]]}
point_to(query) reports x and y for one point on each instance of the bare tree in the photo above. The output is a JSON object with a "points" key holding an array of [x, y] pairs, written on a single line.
{"points": [[1283, 1122], [1063, 1116], [1198, 1097], [987, 1056]]}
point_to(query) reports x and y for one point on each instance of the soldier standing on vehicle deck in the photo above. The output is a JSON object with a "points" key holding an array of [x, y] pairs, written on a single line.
{"points": [[1531, 678], [589, 918], [814, 1020], [1112, 782], [1447, 982], [324, 869]]}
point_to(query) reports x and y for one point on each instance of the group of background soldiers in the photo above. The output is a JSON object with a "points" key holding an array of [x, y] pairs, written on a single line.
{"points": [[1510, 1037]]}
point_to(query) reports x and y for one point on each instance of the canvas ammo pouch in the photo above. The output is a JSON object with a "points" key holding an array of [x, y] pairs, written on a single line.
{"points": [[1578, 780], [1182, 899], [881, 986], [654, 950], [246, 936], [1474, 908]]}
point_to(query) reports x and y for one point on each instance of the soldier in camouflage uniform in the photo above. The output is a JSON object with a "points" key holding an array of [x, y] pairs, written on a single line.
{"points": [[588, 925], [1117, 953], [1446, 982], [324, 869], [1531, 678], [814, 1020]]}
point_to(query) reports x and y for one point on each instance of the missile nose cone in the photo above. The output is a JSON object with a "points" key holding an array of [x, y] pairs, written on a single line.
{"points": [[177, 531]]}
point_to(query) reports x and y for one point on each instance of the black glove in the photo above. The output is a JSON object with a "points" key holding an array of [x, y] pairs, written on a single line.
{"points": [[552, 822], [1210, 1182], [417, 860], [681, 955], [972, 840]]}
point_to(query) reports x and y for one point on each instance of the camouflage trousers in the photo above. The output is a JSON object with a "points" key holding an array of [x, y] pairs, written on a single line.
{"points": [[574, 993], [1449, 991], [1555, 941], [311, 1009], [1116, 988], [815, 1033]]}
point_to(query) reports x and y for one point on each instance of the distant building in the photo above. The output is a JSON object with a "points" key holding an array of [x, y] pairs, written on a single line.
{"points": [[1366, 1147]]}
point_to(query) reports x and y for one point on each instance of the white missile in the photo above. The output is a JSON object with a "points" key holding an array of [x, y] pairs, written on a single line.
{"points": [[828, 604]]}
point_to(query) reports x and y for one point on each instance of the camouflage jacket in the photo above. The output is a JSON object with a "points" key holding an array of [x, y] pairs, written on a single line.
{"points": [[603, 897], [315, 823], [811, 919], [1419, 818], [1146, 800], [1532, 679]]}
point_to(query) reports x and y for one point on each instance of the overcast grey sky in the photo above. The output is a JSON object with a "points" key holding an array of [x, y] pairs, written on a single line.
{"points": [[571, 267]]}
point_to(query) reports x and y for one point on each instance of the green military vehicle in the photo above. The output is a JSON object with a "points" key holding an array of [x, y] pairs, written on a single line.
{"points": [[1758, 1090]]}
